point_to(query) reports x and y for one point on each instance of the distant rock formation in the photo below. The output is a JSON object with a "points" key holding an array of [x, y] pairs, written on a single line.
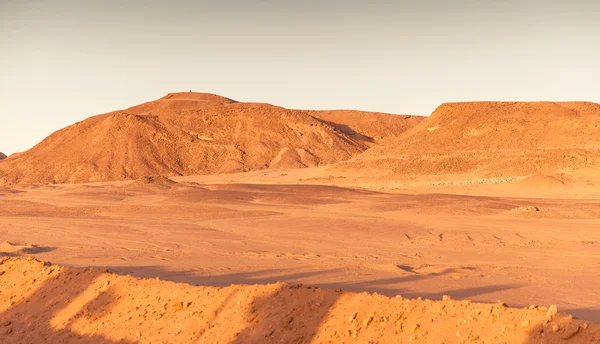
{"points": [[492, 139], [185, 134]]}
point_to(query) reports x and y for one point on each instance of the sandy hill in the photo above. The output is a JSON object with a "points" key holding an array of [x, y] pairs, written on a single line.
{"points": [[494, 139], [477, 126], [370, 127], [40, 302], [183, 134], [2, 156]]}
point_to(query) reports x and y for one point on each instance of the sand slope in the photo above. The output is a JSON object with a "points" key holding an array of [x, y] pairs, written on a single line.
{"points": [[76, 305], [493, 139], [370, 127], [184, 134], [479, 126], [2, 156]]}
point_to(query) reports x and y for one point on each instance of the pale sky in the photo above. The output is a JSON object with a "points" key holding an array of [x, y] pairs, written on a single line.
{"points": [[63, 61]]}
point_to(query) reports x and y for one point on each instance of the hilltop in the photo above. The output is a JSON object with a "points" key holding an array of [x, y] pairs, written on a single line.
{"points": [[2, 156], [184, 134]]}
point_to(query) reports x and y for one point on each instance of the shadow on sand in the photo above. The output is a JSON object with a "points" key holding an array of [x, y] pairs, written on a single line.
{"points": [[269, 276], [347, 130], [60, 306], [33, 249], [380, 286], [43, 316]]}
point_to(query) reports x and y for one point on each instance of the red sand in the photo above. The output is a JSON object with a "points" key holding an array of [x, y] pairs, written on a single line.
{"points": [[482, 201], [41, 302]]}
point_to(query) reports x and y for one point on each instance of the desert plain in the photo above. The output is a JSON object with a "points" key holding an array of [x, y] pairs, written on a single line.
{"points": [[198, 219]]}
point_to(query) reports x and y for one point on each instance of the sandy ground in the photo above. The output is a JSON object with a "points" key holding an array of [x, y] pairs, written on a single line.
{"points": [[485, 248], [480, 202], [40, 303]]}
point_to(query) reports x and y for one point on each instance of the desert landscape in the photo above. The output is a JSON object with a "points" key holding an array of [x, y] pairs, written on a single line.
{"points": [[195, 218]]}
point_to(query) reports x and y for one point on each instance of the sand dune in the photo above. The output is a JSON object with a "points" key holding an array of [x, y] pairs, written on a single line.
{"points": [[185, 134], [94, 306]]}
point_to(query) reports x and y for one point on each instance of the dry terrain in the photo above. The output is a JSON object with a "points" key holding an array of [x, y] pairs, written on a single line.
{"points": [[523, 251], [190, 134], [493, 205], [44, 303], [491, 140]]}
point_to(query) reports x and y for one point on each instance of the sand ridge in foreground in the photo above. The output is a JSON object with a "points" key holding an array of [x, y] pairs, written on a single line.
{"points": [[87, 305]]}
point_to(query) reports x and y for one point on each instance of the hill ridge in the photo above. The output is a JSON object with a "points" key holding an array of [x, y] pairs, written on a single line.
{"points": [[491, 139], [182, 134]]}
